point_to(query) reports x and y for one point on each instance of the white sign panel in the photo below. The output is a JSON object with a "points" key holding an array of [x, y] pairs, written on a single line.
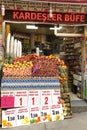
{"points": [[22, 116], [8, 118], [45, 105], [21, 98], [56, 107], [33, 98]]}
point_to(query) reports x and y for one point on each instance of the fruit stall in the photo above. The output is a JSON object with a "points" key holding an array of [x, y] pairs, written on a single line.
{"points": [[34, 89]]}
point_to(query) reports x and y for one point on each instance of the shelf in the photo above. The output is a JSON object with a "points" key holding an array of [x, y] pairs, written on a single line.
{"points": [[73, 55]]}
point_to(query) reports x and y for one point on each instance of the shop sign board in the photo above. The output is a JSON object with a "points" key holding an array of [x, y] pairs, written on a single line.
{"points": [[71, 1], [44, 17]]}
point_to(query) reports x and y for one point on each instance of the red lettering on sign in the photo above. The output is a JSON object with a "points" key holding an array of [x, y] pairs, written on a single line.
{"points": [[72, 17], [27, 15], [39, 16], [21, 16], [46, 100], [15, 15], [66, 18], [59, 18], [82, 19], [44, 17], [48, 18], [54, 17], [33, 16]]}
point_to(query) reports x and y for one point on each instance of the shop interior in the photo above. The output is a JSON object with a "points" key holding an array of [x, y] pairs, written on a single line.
{"points": [[67, 48]]}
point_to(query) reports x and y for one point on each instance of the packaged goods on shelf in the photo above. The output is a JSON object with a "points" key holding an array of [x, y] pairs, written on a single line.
{"points": [[73, 50]]}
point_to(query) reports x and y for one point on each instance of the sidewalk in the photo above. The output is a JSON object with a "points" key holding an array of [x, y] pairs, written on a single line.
{"points": [[77, 122]]}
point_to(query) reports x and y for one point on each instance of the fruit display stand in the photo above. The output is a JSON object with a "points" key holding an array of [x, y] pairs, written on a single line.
{"points": [[66, 104], [40, 97], [31, 90]]}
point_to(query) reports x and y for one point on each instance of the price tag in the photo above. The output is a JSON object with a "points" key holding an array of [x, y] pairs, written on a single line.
{"points": [[21, 98], [35, 115], [57, 113], [8, 118], [45, 114], [45, 97], [45, 105], [7, 102], [56, 100], [22, 116], [7, 99], [56, 106], [33, 98]]}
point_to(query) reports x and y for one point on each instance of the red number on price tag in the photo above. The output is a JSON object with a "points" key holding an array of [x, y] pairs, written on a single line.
{"points": [[46, 100], [33, 101], [7, 102], [20, 101], [59, 100]]}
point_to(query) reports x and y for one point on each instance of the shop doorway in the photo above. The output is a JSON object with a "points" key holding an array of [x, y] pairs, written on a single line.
{"points": [[67, 48]]}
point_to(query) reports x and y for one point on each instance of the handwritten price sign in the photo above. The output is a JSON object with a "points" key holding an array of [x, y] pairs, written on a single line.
{"points": [[34, 98], [7, 99], [45, 97], [7, 102], [21, 98], [56, 97]]}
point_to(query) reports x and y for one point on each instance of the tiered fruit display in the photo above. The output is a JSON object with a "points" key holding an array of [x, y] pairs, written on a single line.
{"points": [[37, 66], [43, 66], [66, 105], [18, 69], [63, 76]]}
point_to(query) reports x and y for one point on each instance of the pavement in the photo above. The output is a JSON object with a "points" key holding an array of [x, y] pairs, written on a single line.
{"points": [[77, 122]]}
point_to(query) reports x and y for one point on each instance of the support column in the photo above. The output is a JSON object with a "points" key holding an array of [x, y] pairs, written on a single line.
{"points": [[7, 29], [84, 46], [1, 39]]}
